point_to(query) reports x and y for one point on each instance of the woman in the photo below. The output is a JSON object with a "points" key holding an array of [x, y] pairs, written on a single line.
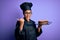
{"points": [[25, 27]]}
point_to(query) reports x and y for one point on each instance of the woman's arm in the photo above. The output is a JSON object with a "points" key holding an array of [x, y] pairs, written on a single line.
{"points": [[19, 29], [38, 30]]}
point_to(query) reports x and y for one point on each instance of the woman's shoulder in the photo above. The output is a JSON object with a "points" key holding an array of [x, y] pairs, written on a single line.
{"points": [[32, 21]]}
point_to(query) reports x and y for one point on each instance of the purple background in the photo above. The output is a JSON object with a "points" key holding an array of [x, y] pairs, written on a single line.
{"points": [[42, 9]]}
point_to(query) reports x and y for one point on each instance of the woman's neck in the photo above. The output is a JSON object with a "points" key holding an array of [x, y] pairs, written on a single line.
{"points": [[27, 19]]}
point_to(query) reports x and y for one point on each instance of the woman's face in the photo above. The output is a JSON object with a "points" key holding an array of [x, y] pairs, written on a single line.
{"points": [[27, 14]]}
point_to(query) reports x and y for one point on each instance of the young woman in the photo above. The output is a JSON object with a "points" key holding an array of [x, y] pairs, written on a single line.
{"points": [[25, 27]]}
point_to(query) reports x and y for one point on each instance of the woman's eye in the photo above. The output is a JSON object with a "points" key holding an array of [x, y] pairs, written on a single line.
{"points": [[28, 13]]}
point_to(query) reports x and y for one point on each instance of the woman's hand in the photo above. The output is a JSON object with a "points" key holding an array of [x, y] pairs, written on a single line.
{"points": [[40, 23]]}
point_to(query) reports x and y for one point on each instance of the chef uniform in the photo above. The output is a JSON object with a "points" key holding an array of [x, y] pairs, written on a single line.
{"points": [[29, 32]]}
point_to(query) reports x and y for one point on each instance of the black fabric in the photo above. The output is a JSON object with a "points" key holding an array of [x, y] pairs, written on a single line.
{"points": [[29, 31], [26, 6]]}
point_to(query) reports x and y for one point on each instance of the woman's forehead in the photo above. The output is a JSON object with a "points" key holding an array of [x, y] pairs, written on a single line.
{"points": [[28, 11]]}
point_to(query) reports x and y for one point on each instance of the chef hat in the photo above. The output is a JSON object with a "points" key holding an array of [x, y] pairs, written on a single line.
{"points": [[26, 6]]}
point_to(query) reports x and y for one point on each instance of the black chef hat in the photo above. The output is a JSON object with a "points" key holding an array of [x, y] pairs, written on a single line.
{"points": [[26, 6]]}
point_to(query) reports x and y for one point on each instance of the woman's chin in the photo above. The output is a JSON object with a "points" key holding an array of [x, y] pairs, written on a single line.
{"points": [[27, 18]]}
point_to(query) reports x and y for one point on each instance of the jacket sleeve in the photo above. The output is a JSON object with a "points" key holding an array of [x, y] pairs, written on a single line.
{"points": [[37, 33], [18, 33]]}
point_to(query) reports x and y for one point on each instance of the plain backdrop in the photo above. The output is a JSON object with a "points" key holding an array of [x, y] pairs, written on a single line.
{"points": [[42, 10]]}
